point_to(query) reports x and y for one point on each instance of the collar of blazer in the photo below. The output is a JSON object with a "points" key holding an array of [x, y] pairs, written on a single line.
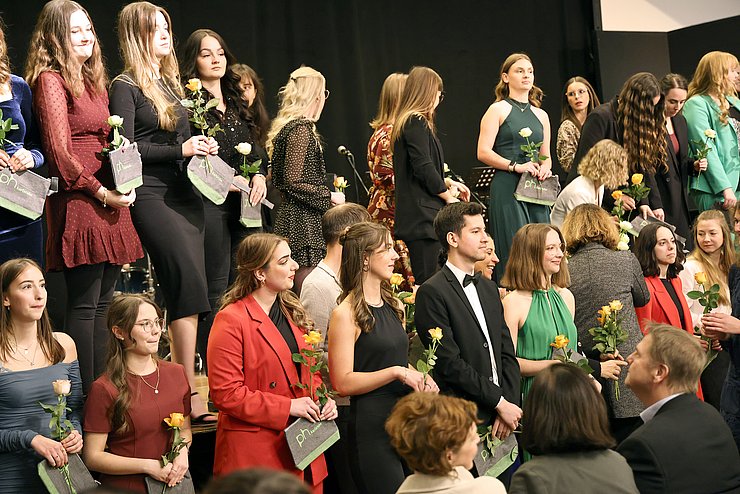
{"points": [[664, 300], [276, 342]]}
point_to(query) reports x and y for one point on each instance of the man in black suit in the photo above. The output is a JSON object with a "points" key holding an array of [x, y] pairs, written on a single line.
{"points": [[475, 359], [684, 444]]}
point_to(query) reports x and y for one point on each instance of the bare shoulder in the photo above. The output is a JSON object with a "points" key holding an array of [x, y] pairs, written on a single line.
{"points": [[342, 319], [566, 294], [68, 344]]}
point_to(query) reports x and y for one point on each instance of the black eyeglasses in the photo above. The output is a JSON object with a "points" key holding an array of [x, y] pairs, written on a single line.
{"points": [[573, 94], [326, 94], [441, 96]]}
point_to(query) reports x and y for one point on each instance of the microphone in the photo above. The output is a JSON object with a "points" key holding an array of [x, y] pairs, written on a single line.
{"points": [[344, 151]]}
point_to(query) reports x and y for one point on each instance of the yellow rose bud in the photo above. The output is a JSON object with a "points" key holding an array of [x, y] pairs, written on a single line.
{"points": [[436, 333], [710, 134], [243, 148], [411, 299], [701, 278], [637, 179], [312, 338], [606, 310], [115, 121], [601, 317], [175, 420], [561, 341], [617, 195], [194, 84], [62, 387], [615, 305], [340, 183], [396, 279], [525, 132]]}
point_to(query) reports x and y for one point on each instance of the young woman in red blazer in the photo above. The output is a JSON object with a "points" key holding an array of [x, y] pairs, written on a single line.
{"points": [[661, 260], [252, 377]]}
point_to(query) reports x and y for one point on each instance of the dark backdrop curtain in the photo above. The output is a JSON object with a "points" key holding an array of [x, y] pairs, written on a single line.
{"points": [[357, 43]]}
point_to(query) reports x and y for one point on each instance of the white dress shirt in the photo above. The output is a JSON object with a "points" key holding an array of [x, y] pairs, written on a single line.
{"points": [[648, 414]]}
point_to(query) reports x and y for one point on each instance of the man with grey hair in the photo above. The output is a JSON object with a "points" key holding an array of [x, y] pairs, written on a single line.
{"points": [[684, 444]]}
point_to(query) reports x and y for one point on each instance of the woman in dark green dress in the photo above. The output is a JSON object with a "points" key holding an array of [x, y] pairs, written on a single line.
{"points": [[517, 107]]}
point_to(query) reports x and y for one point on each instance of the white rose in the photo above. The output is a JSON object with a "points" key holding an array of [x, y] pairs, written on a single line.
{"points": [[243, 148], [625, 225], [710, 133], [525, 132], [623, 246], [115, 121], [62, 387], [623, 237]]}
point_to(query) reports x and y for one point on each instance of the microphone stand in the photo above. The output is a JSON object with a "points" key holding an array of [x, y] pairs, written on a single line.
{"points": [[351, 160]]}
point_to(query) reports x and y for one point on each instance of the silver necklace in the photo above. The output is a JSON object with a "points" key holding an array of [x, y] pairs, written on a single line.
{"points": [[516, 104], [32, 360], [156, 386]]}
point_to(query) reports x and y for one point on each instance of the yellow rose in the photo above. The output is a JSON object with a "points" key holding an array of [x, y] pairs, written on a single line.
{"points": [[194, 84], [525, 132], [312, 338], [411, 299], [606, 310], [243, 148], [617, 195], [396, 279], [701, 278], [601, 317], [561, 341], [115, 121], [175, 420], [710, 134], [436, 333], [340, 183], [615, 305], [62, 387], [637, 179]]}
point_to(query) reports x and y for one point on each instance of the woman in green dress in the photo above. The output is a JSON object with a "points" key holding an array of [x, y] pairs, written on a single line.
{"points": [[517, 107]]}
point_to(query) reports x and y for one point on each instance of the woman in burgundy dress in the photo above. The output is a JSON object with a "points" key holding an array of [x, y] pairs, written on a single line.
{"points": [[90, 234]]}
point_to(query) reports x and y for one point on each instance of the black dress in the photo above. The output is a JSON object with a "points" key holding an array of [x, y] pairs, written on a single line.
{"points": [[168, 211], [298, 171], [376, 467]]}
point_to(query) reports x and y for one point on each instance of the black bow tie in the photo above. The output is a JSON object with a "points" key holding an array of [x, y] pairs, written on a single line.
{"points": [[471, 279]]}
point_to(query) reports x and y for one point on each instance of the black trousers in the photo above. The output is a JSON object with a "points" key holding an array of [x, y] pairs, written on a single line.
{"points": [[424, 257], [89, 293]]}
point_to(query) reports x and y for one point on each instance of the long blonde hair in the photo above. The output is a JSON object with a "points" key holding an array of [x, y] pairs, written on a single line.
{"points": [[710, 78], [716, 273], [255, 252], [136, 27], [390, 99], [303, 89], [50, 50], [417, 99]]}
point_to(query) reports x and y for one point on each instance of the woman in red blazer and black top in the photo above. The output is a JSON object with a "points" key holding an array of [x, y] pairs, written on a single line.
{"points": [[661, 260], [251, 374]]}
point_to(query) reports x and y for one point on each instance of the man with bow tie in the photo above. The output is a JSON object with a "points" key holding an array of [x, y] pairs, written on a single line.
{"points": [[476, 358]]}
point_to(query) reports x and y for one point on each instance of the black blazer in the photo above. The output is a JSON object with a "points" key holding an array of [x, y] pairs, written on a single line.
{"points": [[672, 192], [463, 363], [418, 164], [686, 447]]}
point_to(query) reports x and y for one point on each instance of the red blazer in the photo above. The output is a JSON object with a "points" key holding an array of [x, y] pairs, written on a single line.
{"points": [[252, 379], [662, 309]]}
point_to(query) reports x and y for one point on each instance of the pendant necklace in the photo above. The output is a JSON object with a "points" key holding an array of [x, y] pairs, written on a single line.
{"points": [[156, 386], [23, 355], [517, 103]]}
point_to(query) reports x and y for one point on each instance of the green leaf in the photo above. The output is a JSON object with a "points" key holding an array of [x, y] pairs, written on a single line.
{"points": [[213, 103], [714, 288], [187, 103], [694, 294], [422, 366]]}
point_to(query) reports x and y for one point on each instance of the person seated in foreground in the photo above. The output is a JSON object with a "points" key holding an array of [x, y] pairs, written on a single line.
{"points": [[437, 437], [567, 432], [684, 444]]}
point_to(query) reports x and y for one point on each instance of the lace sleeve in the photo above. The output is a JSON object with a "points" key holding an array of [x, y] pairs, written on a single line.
{"points": [[303, 183], [51, 100], [567, 144]]}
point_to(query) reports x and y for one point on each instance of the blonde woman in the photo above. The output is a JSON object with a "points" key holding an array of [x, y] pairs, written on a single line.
{"points": [[90, 234], [605, 165], [169, 212], [713, 255], [711, 95], [298, 168]]}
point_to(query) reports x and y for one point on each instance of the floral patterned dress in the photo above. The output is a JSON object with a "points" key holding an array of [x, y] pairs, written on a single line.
{"points": [[382, 203]]}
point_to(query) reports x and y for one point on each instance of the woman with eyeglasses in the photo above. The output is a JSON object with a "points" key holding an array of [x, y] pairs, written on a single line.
{"points": [[125, 434], [418, 161], [579, 98], [516, 109], [299, 170]]}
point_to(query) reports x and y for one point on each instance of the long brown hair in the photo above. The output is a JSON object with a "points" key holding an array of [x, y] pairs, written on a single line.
{"points": [[715, 273], [255, 252], [136, 26], [4, 60], [710, 78], [358, 244], [257, 110], [122, 313], [417, 99], [390, 99], [50, 50], [502, 88], [642, 123], [587, 223], [524, 269], [53, 350], [566, 111]]}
